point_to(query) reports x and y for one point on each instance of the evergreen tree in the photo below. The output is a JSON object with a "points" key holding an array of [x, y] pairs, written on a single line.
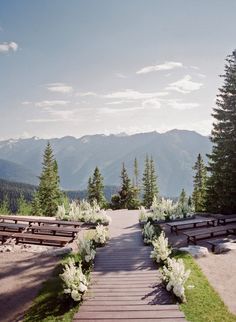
{"points": [[35, 205], [4, 206], [153, 179], [96, 188], [49, 194], [221, 189], [150, 188], [136, 173], [126, 198], [24, 207], [146, 184], [183, 199], [199, 185]]}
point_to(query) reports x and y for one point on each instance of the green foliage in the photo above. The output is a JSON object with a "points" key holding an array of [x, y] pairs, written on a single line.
{"points": [[49, 194], [199, 185], [24, 207], [96, 189], [127, 196], [150, 188], [221, 190], [203, 303], [4, 206]]}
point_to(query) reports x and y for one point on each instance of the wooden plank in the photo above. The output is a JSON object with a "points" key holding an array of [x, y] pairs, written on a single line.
{"points": [[175, 319], [126, 307], [130, 314]]}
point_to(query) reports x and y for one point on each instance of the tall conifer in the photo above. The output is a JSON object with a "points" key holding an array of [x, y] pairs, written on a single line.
{"points": [[199, 185], [49, 194], [96, 188], [221, 190]]}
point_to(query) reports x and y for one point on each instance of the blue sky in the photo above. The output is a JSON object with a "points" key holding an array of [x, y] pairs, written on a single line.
{"points": [[84, 67]]}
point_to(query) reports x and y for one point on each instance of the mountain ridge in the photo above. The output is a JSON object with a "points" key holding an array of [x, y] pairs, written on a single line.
{"points": [[174, 153]]}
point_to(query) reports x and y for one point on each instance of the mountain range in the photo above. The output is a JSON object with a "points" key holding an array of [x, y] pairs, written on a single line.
{"points": [[174, 153]]}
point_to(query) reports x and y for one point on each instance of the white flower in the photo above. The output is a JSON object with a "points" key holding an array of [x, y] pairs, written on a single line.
{"points": [[82, 288], [148, 232], [161, 250], [101, 235], [175, 276], [76, 296], [75, 282], [86, 249]]}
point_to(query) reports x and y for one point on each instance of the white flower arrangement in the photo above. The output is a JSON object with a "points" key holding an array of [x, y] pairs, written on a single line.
{"points": [[161, 250], [86, 249], [101, 235], [90, 214], [175, 276], [61, 212], [75, 282], [148, 233]]}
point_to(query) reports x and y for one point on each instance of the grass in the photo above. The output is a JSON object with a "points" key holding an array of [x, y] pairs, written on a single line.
{"points": [[203, 302], [51, 304]]}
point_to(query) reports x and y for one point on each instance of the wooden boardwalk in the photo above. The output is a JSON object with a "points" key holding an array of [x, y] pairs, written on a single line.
{"points": [[125, 284]]}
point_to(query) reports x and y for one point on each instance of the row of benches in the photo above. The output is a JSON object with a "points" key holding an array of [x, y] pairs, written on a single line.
{"points": [[35, 239], [221, 225], [38, 230]]}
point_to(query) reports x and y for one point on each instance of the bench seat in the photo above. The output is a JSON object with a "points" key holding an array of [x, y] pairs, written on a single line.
{"points": [[198, 233], [41, 239], [54, 230], [174, 226], [4, 235]]}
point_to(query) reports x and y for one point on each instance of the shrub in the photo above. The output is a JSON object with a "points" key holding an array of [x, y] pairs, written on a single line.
{"points": [[175, 276], [101, 235], [75, 282], [161, 249], [148, 232], [86, 250]]}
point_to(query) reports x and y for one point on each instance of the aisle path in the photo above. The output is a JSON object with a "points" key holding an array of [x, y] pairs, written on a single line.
{"points": [[125, 284]]}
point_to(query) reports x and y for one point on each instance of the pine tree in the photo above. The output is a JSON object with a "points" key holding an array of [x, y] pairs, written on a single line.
{"points": [[183, 199], [49, 194], [199, 185], [136, 173], [221, 188], [146, 184], [150, 188], [153, 180], [4, 206], [96, 188], [126, 198], [35, 205], [24, 207]]}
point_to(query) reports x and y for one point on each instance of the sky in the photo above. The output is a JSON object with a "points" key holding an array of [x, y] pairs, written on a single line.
{"points": [[80, 67]]}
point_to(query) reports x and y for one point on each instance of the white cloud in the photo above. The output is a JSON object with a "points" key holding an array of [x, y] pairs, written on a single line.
{"points": [[180, 105], [117, 102], [195, 67], [185, 85], [81, 94], [152, 103], [45, 104], [155, 68], [7, 46], [106, 110], [59, 88], [130, 94], [120, 75], [201, 75]]}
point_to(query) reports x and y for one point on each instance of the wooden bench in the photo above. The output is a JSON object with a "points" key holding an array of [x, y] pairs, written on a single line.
{"points": [[215, 242], [174, 226], [4, 235], [54, 230], [41, 239], [192, 235], [223, 219], [10, 226], [40, 221]]}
